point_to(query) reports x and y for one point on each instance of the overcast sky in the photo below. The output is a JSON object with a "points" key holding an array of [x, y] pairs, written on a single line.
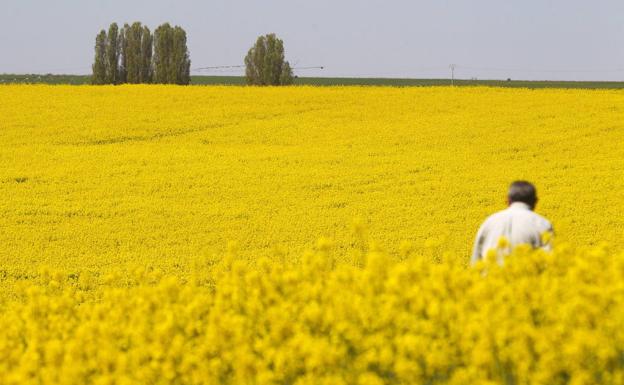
{"points": [[496, 39]]}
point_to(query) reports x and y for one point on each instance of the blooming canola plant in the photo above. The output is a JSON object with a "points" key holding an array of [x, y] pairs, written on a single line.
{"points": [[197, 235]]}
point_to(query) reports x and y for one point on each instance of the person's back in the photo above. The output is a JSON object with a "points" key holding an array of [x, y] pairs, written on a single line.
{"points": [[517, 224]]}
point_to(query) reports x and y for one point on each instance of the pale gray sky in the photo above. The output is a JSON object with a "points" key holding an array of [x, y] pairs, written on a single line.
{"points": [[521, 39]]}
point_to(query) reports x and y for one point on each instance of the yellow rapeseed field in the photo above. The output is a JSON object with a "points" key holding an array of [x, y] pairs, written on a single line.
{"points": [[299, 235]]}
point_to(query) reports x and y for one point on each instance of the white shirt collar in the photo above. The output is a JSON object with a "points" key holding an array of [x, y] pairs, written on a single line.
{"points": [[519, 206]]}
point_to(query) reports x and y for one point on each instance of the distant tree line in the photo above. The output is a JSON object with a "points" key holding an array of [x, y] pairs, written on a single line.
{"points": [[133, 54]]}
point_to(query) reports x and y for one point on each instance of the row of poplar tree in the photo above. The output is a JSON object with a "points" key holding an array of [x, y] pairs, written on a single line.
{"points": [[133, 54]]}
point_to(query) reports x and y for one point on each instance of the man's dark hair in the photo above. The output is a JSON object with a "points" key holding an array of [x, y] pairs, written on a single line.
{"points": [[522, 191]]}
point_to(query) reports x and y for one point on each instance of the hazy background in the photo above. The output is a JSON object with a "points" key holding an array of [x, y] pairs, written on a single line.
{"points": [[494, 39]]}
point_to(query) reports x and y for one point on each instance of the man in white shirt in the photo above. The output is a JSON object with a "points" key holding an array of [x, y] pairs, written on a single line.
{"points": [[517, 225]]}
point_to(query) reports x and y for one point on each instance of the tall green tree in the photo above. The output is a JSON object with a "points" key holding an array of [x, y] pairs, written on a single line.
{"points": [[112, 55], [286, 78], [134, 59], [163, 41], [265, 63], [146, 55], [123, 54], [172, 64], [99, 63], [181, 60]]}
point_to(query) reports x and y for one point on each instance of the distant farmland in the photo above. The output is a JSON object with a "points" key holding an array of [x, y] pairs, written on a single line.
{"points": [[396, 82]]}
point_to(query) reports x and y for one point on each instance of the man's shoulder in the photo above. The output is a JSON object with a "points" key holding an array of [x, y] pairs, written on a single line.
{"points": [[497, 216], [501, 214], [507, 213], [542, 221]]}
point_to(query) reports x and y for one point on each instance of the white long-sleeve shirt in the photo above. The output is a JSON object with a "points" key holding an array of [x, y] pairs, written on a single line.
{"points": [[518, 224]]}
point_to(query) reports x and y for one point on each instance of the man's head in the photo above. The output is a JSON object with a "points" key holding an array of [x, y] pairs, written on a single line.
{"points": [[522, 191]]}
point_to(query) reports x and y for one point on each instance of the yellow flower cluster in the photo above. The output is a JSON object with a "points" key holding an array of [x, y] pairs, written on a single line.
{"points": [[106, 176], [539, 319], [158, 235]]}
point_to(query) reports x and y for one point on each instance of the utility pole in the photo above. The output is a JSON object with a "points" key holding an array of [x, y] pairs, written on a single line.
{"points": [[452, 67]]}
